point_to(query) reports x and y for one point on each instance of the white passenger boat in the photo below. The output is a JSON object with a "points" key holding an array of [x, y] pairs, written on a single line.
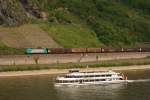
{"points": [[74, 77]]}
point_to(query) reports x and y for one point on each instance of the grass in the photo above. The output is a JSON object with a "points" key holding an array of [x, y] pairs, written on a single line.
{"points": [[8, 50], [98, 23], [112, 63], [73, 35], [70, 31]]}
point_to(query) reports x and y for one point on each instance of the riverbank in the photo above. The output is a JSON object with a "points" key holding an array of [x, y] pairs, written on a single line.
{"points": [[93, 64], [61, 71]]}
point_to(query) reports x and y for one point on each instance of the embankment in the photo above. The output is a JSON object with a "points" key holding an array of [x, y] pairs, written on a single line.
{"points": [[67, 58]]}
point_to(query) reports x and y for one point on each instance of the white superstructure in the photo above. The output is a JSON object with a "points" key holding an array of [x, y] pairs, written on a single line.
{"points": [[74, 77]]}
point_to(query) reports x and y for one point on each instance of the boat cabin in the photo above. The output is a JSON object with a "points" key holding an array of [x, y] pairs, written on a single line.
{"points": [[73, 71]]}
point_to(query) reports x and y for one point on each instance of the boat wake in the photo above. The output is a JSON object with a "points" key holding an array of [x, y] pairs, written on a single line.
{"points": [[128, 81], [139, 80]]}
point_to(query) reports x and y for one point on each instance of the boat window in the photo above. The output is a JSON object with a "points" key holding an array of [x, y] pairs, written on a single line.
{"points": [[76, 81], [73, 71], [86, 80], [97, 75], [68, 76], [102, 79], [80, 76], [94, 80], [64, 82], [108, 75], [71, 81], [59, 81], [86, 76]]}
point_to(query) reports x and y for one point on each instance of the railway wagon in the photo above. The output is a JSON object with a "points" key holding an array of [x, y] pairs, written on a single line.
{"points": [[78, 50], [145, 49], [132, 50], [94, 50], [111, 50], [59, 50]]}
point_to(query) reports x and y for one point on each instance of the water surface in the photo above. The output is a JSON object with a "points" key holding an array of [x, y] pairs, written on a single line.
{"points": [[42, 88]]}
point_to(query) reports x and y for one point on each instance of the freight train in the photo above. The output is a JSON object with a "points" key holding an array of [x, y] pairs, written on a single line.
{"points": [[82, 50]]}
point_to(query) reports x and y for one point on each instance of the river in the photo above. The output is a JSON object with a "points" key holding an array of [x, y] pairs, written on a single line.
{"points": [[42, 88]]}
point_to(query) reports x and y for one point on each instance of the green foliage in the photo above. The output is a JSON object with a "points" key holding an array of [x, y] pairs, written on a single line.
{"points": [[75, 35], [114, 22], [143, 5], [8, 50]]}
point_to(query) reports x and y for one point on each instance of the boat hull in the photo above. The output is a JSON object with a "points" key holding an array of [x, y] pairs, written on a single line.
{"points": [[92, 83]]}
